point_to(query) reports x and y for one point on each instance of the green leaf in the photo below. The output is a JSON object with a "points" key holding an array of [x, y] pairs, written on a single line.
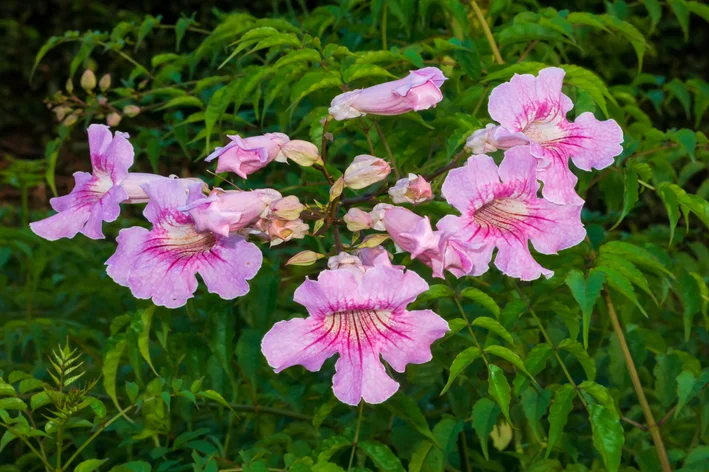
{"points": [[608, 435], [357, 71], [188, 436], [679, 8], [669, 198], [145, 28], [630, 194], [635, 254], [39, 400], [28, 385], [311, 82], [691, 299], [535, 362], [586, 292], [215, 396], [628, 269], [559, 414], [631, 33], [589, 82], [618, 281], [654, 10], [183, 101], [135, 466], [461, 361], [686, 382], [381, 455], [90, 465], [599, 393], [7, 390], [509, 356], [528, 32], [180, 30], [485, 414], [324, 411], [330, 446], [6, 438], [435, 292], [406, 408], [481, 298], [299, 55], [576, 349], [587, 19], [687, 139], [419, 455], [46, 47], [146, 318], [494, 326], [87, 45], [110, 369], [499, 389], [455, 326], [11, 403], [534, 405]]}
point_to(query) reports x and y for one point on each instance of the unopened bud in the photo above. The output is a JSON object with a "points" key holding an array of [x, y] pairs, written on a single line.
{"points": [[357, 220], [69, 86], [302, 153], [61, 111], [365, 170], [113, 119], [71, 119], [102, 100], [288, 208], [337, 188], [131, 110], [105, 82], [304, 258], [88, 80], [411, 189]]}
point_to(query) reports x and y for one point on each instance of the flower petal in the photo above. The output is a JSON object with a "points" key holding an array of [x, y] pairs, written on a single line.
{"points": [[410, 336], [65, 224], [601, 143], [226, 268], [307, 342], [555, 227], [100, 138], [335, 290], [130, 242], [387, 288], [165, 195], [361, 375], [514, 259], [559, 182], [520, 166], [472, 183]]}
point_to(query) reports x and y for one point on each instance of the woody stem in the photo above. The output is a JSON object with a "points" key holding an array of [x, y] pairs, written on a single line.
{"points": [[488, 33]]}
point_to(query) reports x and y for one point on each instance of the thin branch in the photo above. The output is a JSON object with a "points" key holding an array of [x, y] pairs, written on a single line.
{"points": [[488, 33]]}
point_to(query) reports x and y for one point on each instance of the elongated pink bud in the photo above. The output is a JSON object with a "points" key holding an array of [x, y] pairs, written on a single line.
{"points": [[365, 170]]}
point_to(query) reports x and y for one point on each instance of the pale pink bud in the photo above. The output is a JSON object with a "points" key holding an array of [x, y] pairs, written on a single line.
{"points": [[411, 189], [419, 90], [302, 153], [288, 208], [357, 220], [61, 111], [105, 82], [131, 110], [344, 259], [102, 100], [113, 119], [365, 170], [411, 232], [226, 211], [377, 215], [375, 256], [284, 230], [492, 138], [304, 258], [244, 156], [88, 80]]}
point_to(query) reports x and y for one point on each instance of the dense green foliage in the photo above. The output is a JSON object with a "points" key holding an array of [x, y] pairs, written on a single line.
{"points": [[532, 377]]}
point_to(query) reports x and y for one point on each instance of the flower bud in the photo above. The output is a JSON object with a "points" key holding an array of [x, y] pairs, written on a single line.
{"points": [[105, 82], [357, 220], [302, 153], [284, 230], [337, 188], [411, 232], [411, 189], [366, 170], [344, 259], [288, 208], [377, 215], [69, 86], [102, 100], [113, 119], [304, 258], [88, 80], [61, 111], [131, 110], [71, 119]]}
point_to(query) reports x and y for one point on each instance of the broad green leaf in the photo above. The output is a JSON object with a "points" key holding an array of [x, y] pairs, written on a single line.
{"points": [[110, 369], [499, 389], [631, 33], [406, 408], [481, 298], [630, 194], [509, 356], [587, 19], [87, 45], [589, 82], [681, 12], [146, 27], [28, 385], [535, 362], [700, 9], [311, 82], [146, 318], [599, 393], [635, 254], [299, 55], [691, 299], [381, 455], [586, 291], [180, 29], [534, 405], [90, 465], [39, 400], [330, 446], [188, 436], [494, 326], [686, 382], [324, 411], [628, 269], [6, 390], [6, 438], [215, 396], [455, 326], [559, 414], [435, 292], [669, 198], [576, 349], [528, 32], [134, 466], [461, 361], [46, 47], [687, 139], [485, 413], [419, 455], [618, 281], [608, 437], [654, 10]]}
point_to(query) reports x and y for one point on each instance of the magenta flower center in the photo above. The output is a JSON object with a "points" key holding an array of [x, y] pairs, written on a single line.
{"points": [[182, 242], [360, 324], [502, 213]]}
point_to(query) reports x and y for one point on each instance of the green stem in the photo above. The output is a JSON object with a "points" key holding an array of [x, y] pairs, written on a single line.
{"points": [[356, 436], [127, 58], [388, 149], [470, 329], [488, 33], [29, 444]]}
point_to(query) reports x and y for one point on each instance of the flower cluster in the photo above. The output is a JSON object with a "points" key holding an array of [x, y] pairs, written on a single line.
{"points": [[357, 306]]}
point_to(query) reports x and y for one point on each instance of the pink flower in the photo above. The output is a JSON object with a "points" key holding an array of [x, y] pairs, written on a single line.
{"points": [[419, 90], [411, 189], [135, 182], [365, 170], [281, 230], [162, 263], [226, 211], [96, 197], [500, 209], [360, 316], [244, 156], [492, 138], [357, 219], [533, 109], [377, 215]]}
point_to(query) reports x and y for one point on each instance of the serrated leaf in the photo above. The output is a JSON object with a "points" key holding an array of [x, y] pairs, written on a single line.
{"points": [[576, 349], [381, 455], [559, 414], [110, 369], [686, 382], [586, 292], [630, 194], [299, 55], [311, 82], [485, 414], [494, 326], [461, 361], [499, 389], [528, 32], [215, 396], [481, 298], [620, 282], [599, 393], [635, 254], [687, 139], [608, 437], [504, 353], [535, 362], [534, 405]]}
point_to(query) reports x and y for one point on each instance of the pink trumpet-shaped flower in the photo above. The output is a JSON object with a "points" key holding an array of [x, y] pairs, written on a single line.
{"points": [[162, 263], [225, 211], [135, 182], [533, 110], [359, 315], [420, 90], [500, 209], [96, 197], [244, 156]]}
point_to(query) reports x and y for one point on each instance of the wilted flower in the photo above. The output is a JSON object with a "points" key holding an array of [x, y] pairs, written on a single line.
{"points": [[88, 80], [360, 315], [365, 170], [357, 219], [417, 91], [500, 209], [302, 153], [533, 110], [96, 196], [411, 189], [245, 156], [161, 264]]}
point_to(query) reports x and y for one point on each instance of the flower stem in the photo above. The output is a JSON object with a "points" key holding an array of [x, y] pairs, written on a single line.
{"points": [[356, 436], [488, 33], [652, 426], [388, 149]]}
